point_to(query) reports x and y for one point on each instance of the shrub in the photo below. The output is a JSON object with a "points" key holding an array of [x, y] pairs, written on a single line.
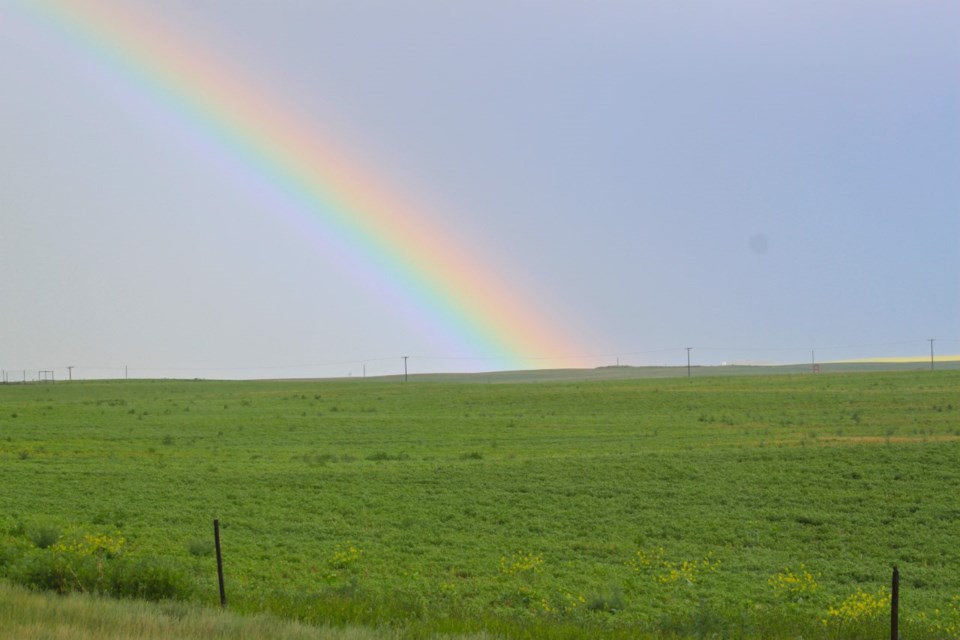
{"points": [[44, 536], [42, 571]]}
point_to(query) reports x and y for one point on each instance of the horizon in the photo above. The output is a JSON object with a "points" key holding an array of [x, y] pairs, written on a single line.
{"points": [[77, 374]]}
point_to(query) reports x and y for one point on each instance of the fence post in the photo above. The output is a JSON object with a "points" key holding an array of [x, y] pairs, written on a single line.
{"points": [[216, 540], [895, 606]]}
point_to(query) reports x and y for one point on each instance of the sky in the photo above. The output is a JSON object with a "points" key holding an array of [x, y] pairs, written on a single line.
{"points": [[762, 182]]}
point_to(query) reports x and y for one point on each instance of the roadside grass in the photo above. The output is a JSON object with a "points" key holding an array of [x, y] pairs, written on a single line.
{"points": [[27, 615], [614, 508]]}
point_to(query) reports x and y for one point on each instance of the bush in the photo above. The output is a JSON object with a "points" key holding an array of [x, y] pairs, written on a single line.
{"points": [[44, 536], [46, 571]]}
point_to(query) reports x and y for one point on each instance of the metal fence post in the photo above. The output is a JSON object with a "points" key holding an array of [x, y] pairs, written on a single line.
{"points": [[216, 540]]}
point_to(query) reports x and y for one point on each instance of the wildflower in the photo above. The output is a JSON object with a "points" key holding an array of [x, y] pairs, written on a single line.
{"points": [[792, 585], [521, 563], [345, 555], [859, 606], [669, 572]]}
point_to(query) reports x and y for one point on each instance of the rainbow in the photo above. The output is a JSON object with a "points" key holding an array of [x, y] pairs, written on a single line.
{"points": [[390, 244]]}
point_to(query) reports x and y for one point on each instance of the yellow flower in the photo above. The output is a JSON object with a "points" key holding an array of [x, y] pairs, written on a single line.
{"points": [[521, 562], [860, 605], [93, 545], [793, 586], [668, 572], [345, 555]]}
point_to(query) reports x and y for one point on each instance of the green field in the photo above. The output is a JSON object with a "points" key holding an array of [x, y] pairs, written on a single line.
{"points": [[744, 506]]}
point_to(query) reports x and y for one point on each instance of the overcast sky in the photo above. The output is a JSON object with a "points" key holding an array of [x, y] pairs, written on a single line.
{"points": [[754, 180]]}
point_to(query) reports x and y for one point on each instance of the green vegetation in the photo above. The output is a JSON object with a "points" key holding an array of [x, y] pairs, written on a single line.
{"points": [[32, 616], [745, 506]]}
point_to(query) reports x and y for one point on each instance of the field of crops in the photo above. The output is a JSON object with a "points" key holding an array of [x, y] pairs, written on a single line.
{"points": [[751, 506]]}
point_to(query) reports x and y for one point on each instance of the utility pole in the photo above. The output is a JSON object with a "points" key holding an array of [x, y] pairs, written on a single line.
{"points": [[688, 361], [930, 340], [405, 368]]}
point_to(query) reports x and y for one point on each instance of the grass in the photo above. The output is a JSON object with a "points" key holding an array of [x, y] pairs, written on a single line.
{"points": [[25, 615], [564, 509]]}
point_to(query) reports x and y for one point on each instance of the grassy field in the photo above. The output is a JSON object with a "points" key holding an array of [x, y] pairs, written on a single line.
{"points": [[745, 506]]}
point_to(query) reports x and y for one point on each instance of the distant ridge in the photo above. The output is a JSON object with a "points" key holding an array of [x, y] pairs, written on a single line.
{"points": [[627, 372], [907, 359]]}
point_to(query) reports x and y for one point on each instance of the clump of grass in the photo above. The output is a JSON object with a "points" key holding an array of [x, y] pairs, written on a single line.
{"points": [[200, 547], [610, 600], [381, 456]]}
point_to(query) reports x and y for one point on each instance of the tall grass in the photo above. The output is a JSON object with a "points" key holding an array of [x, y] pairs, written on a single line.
{"points": [[26, 615]]}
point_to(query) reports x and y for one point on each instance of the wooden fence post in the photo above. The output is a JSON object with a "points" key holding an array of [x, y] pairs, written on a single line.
{"points": [[216, 540]]}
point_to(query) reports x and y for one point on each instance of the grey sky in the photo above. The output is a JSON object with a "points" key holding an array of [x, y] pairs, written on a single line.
{"points": [[754, 180]]}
